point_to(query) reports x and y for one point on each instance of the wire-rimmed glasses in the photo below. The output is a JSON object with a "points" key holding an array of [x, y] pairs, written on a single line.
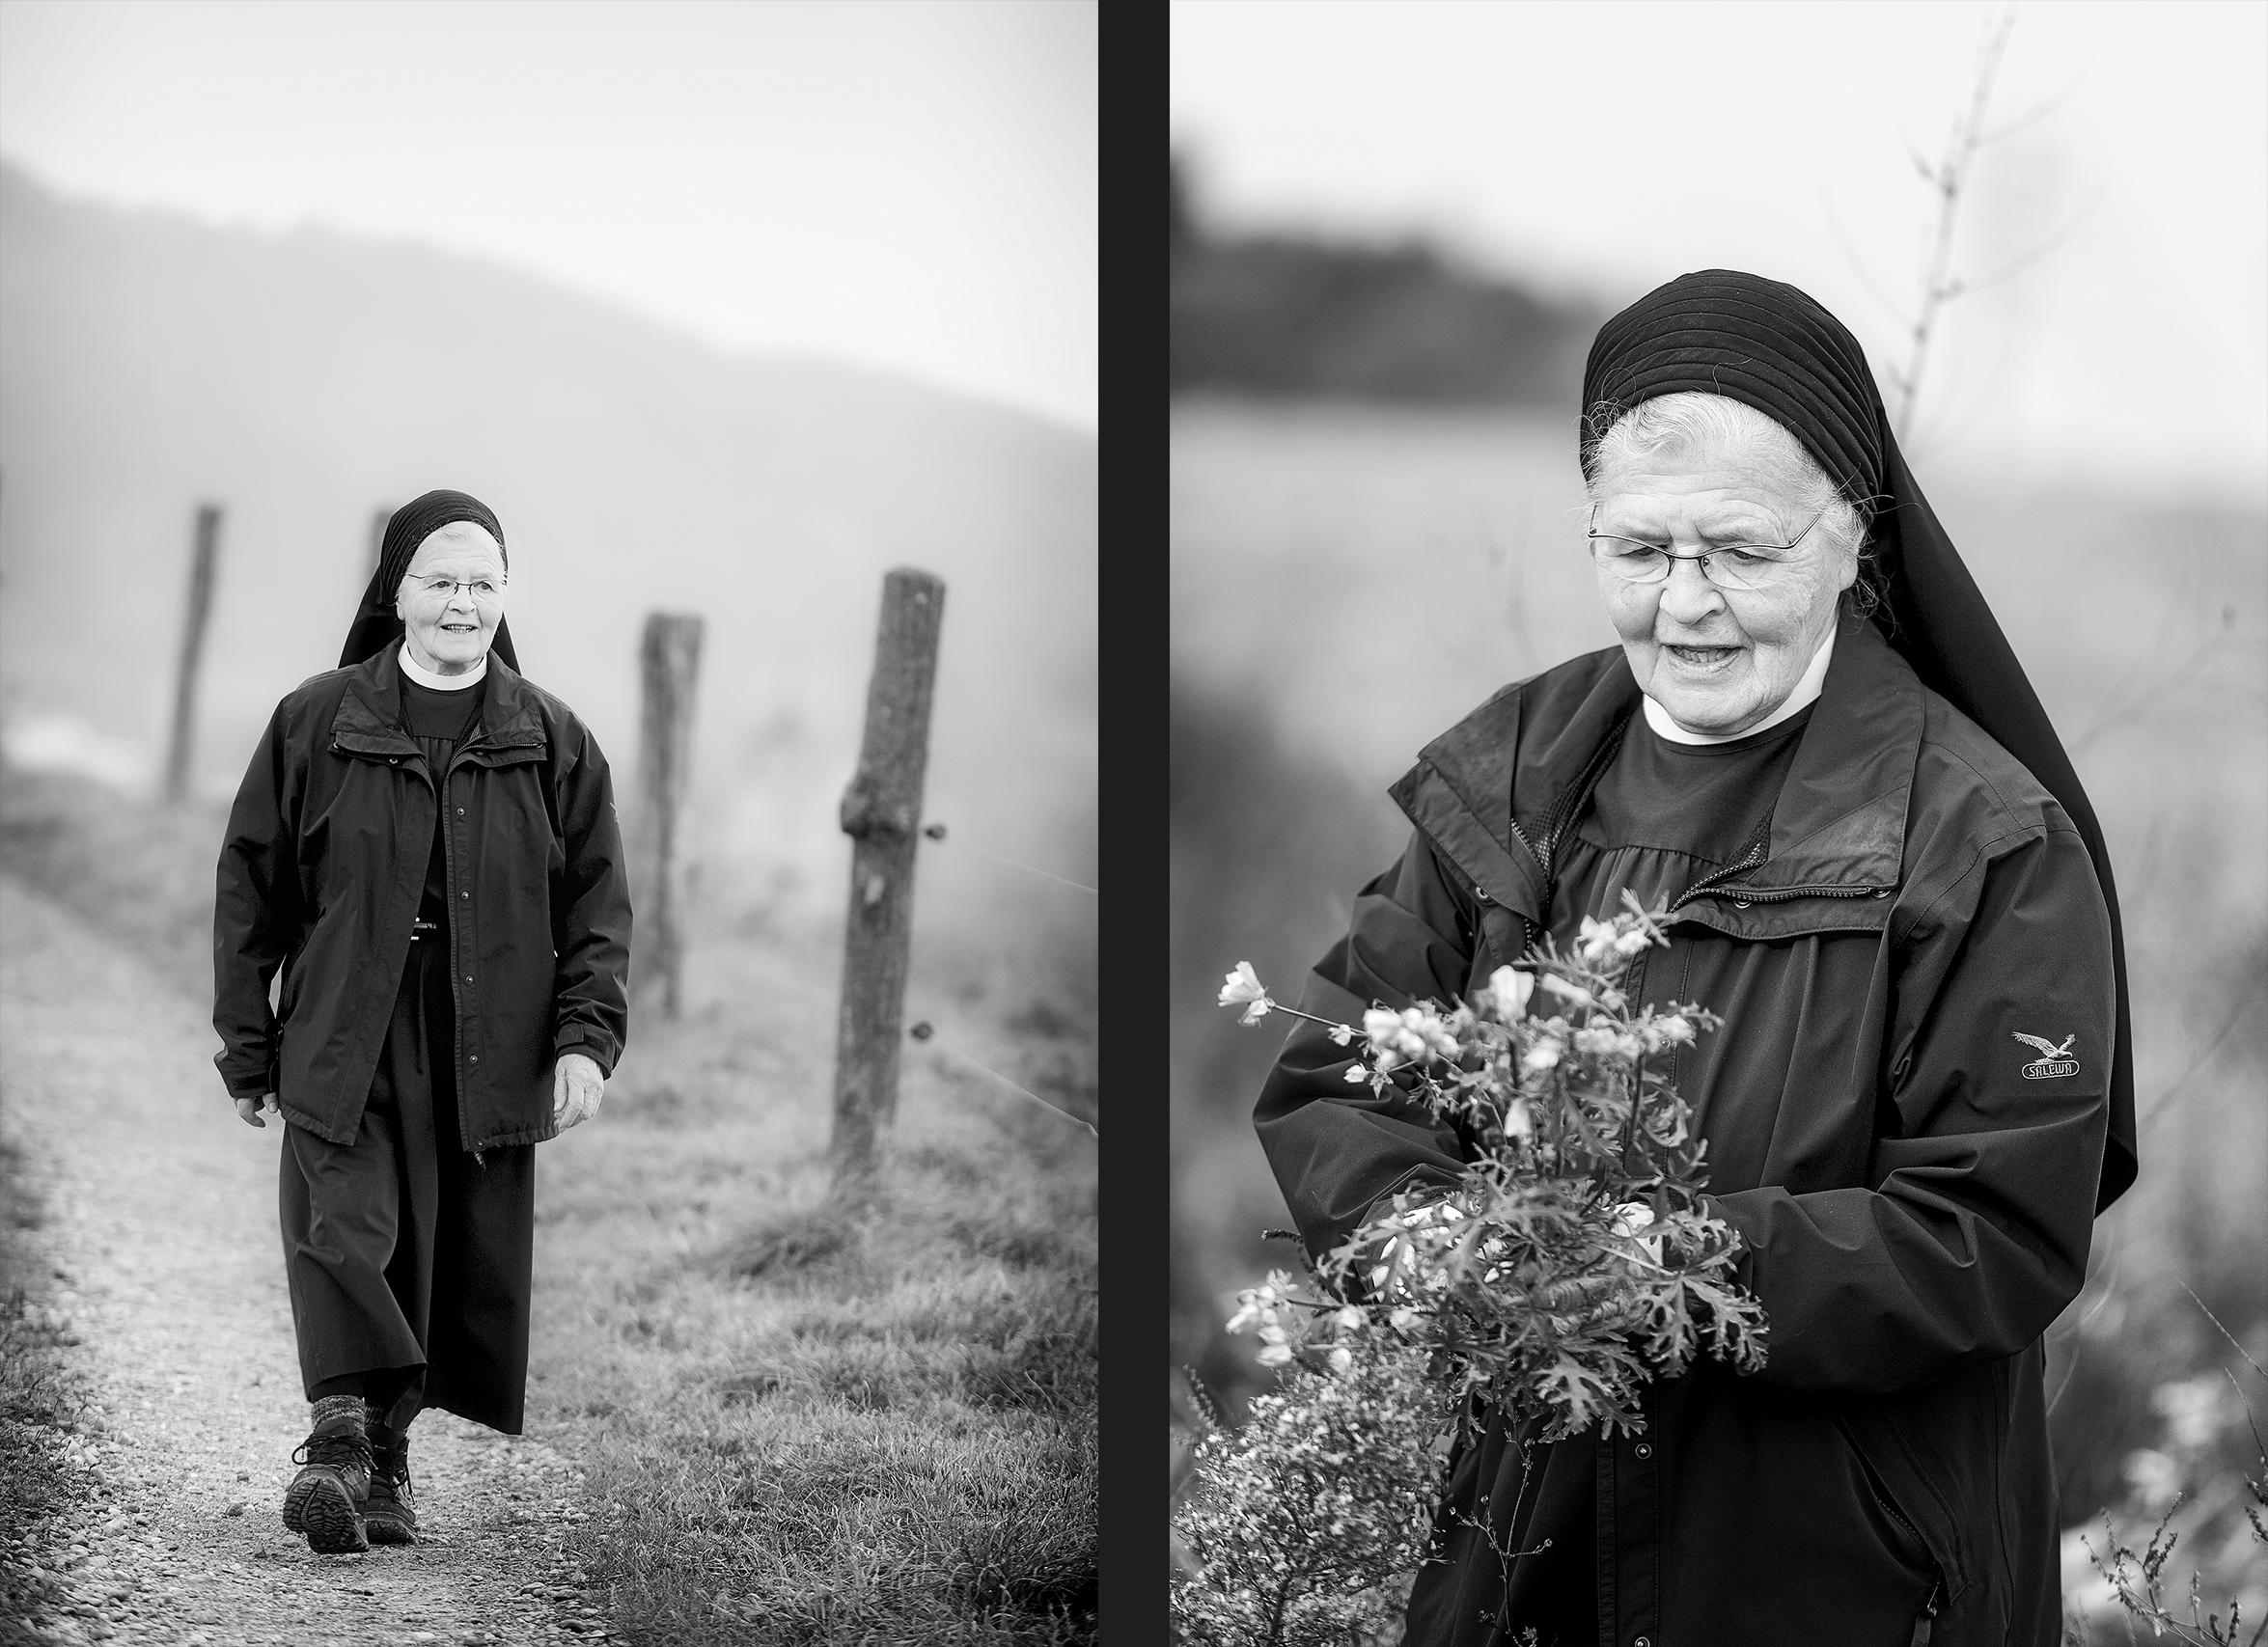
{"points": [[1731, 566], [484, 591]]}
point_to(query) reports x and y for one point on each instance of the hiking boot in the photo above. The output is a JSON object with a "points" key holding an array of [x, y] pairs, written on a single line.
{"points": [[326, 1499], [387, 1517]]}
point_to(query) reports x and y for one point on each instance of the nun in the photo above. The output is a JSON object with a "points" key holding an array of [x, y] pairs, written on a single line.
{"points": [[1815, 747], [424, 846]]}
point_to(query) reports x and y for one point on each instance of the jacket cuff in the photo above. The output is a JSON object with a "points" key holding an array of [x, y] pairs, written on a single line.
{"points": [[598, 1051], [256, 1086]]}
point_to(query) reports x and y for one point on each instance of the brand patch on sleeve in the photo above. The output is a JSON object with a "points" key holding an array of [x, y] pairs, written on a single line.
{"points": [[2053, 1060]]}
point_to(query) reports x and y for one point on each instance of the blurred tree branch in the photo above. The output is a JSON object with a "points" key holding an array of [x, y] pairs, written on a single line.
{"points": [[1949, 178]]}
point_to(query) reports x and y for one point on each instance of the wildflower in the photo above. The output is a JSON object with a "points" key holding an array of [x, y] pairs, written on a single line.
{"points": [[1595, 939], [1243, 988], [1341, 1033], [1576, 994], [1596, 1042], [1510, 988], [1341, 1358], [1242, 985], [1520, 1119], [1543, 1054], [1356, 1072], [1675, 1031], [1350, 1317], [1274, 1355]]}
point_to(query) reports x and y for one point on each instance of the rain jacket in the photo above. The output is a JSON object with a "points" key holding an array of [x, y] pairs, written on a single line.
{"points": [[1912, 1178], [323, 869]]}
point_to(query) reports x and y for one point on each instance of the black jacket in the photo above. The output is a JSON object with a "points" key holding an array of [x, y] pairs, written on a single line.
{"points": [[322, 872], [1914, 1183]]}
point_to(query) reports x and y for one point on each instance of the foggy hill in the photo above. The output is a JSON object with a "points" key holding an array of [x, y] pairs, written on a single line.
{"points": [[304, 379], [1292, 317]]}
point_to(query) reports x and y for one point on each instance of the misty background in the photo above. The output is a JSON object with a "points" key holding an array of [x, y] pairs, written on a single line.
{"points": [[647, 313], [1394, 230], [725, 310]]}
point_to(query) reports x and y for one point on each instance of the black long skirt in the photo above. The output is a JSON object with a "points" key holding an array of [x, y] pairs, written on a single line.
{"points": [[405, 1255]]}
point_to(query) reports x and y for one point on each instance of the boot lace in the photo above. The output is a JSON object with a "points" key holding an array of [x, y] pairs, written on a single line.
{"points": [[343, 1450], [391, 1467]]}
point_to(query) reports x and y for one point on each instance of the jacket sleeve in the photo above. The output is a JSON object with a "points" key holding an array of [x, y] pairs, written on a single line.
{"points": [[1336, 1149], [1975, 1233], [258, 915], [590, 910]]}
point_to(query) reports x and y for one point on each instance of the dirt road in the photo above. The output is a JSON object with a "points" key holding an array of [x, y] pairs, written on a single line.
{"points": [[162, 1218]]}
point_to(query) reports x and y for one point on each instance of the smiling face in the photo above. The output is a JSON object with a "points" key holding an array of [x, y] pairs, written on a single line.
{"points": [[449, 632], [1718, 660]]}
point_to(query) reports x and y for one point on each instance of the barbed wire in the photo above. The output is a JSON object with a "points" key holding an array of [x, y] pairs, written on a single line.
{"points": [[925, 1031], [937, 832]]}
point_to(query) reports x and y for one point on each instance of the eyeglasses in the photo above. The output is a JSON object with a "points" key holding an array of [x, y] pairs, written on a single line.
{"points": [[484, 591], [1734, 567]]}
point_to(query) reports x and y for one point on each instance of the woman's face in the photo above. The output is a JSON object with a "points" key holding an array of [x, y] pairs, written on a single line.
{"points": [[449, 627], [1718, 660]]}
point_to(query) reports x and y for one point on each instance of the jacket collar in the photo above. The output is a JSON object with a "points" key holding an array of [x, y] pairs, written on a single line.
{"points": [[369, 719], [1839, 822]]}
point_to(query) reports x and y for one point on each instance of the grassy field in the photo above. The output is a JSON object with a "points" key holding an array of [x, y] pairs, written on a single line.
{"points": [[1347, 584], [802, 1421]]}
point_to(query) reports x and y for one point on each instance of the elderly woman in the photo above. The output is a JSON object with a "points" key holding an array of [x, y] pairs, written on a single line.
{"points": [[1816, 747], [426, 846]]}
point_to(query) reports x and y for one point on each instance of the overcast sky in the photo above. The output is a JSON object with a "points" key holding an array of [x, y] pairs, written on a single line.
{"points": [[1612, 145], [905, 185]]}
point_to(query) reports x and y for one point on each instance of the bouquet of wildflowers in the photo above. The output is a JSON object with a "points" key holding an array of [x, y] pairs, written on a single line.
{"points": [[1571, 1263]]}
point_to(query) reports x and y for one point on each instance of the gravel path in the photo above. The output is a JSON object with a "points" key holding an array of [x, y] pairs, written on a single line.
{"points": [[162, 1223]]}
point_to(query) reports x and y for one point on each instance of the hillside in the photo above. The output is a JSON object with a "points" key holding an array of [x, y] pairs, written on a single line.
{"points": [[304, 379]]}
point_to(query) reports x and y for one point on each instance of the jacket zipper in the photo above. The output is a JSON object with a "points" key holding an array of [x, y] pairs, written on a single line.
{"points": [[1926, 1622]]}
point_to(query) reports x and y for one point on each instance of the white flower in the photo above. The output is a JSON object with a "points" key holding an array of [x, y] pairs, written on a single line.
{"points": [[1561, 987], [1519, 1121], [1632, 941], [1341, 1033], [1596, 1041], [1632, 1218], [1242, 985], [1350, 1317], [1402, 1320], [1595, 939], [1544, 1055], [1674, 1031], [1510, 988], [1341, 1358], [1356, 1073], [1274, 1355]]}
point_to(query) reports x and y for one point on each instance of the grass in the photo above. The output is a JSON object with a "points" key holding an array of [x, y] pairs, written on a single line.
{"points": [[803, 1418]]}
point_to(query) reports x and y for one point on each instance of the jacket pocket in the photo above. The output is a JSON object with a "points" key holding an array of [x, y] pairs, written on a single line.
{"points": [[1914, 1507]]}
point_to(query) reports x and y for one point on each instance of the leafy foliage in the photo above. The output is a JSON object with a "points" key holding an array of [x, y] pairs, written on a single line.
{"points": [[1573, 1262]]}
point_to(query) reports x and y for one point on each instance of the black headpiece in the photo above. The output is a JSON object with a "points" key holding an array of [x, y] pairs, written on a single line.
{"points": [[375, 625], [1770, 346]]}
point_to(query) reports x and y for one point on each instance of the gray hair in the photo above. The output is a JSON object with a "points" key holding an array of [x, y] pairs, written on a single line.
{"points": [[1615, 437]]}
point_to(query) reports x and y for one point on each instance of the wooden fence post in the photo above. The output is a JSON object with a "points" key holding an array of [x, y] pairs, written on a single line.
{"points": [[882, 814], [177, 754], [669, 662]]}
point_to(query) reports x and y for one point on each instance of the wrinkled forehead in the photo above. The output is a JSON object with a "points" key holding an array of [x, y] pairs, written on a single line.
{"points": [[1651, 496], [460, 549]]}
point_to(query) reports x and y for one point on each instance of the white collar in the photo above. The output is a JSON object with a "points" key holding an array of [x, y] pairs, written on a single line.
{"points": [[1806, 691], [423, 677]]}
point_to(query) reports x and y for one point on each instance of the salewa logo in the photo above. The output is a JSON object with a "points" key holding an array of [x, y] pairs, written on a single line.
{"points": [[2052, 1060]]}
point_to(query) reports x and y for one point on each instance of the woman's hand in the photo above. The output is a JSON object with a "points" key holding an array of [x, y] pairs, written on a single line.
{"points": [[576, 1086], [250, 1109]]}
